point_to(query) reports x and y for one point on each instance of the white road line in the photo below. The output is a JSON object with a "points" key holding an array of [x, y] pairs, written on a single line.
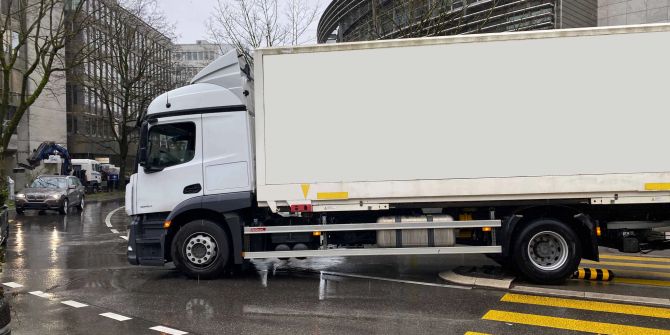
{"points": [[40, 294], [73, 303], [108, 219], [124, 237], [114, 231], [12, 284], [115, 316], [166, 330]]}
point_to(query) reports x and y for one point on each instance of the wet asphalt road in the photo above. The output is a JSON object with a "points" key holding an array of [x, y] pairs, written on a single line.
{"points": [[77, 258]]}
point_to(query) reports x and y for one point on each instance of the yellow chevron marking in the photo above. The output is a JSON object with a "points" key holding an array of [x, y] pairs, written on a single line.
{"points": [[305, 189], [596, 306], [570, 324]]}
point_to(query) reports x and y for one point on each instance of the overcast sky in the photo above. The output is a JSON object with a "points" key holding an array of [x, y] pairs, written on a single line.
{"points": [[191, 16]]}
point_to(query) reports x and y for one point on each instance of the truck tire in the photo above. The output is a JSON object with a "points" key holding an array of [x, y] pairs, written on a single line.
{"points": [[547, 251], [200, 249]]}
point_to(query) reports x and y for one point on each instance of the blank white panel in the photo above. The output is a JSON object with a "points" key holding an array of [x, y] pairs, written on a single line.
{"points": [[224, 177], [558, 106]]}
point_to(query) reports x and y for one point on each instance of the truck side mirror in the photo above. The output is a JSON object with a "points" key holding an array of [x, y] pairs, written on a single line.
{"points": [[142, 151]]}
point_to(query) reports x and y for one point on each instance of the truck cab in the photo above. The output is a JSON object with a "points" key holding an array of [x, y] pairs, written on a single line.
{"points": [[195, 157]]}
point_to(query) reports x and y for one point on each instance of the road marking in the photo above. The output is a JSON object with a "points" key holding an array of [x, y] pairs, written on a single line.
{"points": [[108, 218], [637, 258], [570, 324], [115, 316], [73, 303], [630, 265], [12, 284], [40, 294], [649, 282], [167, 330], [475, 333], [596, 306], [114, 231], [124, 237]]}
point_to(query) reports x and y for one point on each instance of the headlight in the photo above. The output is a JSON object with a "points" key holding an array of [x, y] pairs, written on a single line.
{"points": [[55, 196], [20, 196]]}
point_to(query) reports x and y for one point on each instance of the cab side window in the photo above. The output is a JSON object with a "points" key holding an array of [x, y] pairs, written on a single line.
{"points": [[171, 144]]}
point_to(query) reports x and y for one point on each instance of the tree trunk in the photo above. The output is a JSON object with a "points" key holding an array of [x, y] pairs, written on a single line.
{"points": [[123, 154]]}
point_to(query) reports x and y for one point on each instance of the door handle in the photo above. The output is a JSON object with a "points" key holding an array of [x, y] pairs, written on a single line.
{"points": [[192, 189]]}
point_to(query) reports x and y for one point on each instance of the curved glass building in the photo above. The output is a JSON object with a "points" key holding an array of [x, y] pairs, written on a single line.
{"points": [[361, 20]]}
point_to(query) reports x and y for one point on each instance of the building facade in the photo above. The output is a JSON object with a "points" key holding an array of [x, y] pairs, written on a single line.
{"points": [[189, 59], [359, 20], [625, 12], [94, 85], [44, 120]]}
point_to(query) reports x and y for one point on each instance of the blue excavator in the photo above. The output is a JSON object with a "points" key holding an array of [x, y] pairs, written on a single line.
{"points": [[43, 152]]}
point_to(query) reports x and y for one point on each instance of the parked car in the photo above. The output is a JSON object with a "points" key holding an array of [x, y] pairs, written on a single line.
{"points": [[58, 193]]}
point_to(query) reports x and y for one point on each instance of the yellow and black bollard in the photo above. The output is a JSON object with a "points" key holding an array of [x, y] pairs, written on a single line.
{"points": [[593, 274]]}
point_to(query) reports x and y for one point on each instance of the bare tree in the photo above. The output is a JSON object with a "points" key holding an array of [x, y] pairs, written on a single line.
{"points": [[127, 73], [34, 34], [251, 24]]}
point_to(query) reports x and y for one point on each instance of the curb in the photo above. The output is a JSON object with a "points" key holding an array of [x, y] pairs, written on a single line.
{"points": [[453, 277]]}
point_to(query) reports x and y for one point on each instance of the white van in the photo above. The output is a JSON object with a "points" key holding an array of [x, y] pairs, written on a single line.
{"points": [[92, 168]]}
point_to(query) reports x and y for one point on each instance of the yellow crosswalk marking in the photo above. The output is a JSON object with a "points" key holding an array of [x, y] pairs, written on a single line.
{"points": [[570, 324], [630, 265], [596, 306], [636, 281], [637, 258]]}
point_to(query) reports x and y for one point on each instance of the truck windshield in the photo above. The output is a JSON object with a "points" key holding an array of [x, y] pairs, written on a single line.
{"points": [[49, 183], [171, 144]]}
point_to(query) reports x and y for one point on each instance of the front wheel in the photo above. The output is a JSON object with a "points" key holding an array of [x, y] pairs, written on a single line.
{"points": [[82, 204], [64, 207], [200, 249], [547, 251]]}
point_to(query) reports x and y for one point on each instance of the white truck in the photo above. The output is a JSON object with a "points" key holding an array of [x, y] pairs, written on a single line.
{"points": [[532, 147], [91, 168]]}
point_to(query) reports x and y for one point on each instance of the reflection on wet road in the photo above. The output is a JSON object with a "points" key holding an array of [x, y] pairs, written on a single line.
{"points": [[75, 280]]}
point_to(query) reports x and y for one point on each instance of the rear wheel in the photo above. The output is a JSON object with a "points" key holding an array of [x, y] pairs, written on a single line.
{"points": [[547, 251], [200, 249]]}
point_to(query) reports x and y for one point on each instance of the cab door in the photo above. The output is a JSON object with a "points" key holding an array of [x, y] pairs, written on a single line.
{"points": [[172, 172]]}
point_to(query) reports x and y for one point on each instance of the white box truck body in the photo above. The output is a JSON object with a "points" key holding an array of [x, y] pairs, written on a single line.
{"points": [[535, 141]]}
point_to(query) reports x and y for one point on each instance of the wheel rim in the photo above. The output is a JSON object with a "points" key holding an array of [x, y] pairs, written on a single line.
{"points": [[200, 249], [548, 250]]}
